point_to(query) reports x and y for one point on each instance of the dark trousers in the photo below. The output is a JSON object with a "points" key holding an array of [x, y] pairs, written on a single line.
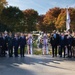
{"points": [[62, 48], [69, 51], [3, 51], [22, 51], [0, 51], [54, 51], [10, 49], [73, 51], [16, 51]]}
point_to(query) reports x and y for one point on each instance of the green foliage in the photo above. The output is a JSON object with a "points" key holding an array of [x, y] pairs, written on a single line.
{"points": [[3, 3], [11, 16], [13, 19], [37, 52], [25, 50], [34, 44], [61, 20], [3, 27], [30, 16]]}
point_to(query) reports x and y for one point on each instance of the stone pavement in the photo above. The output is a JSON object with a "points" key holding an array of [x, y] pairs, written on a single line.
{"points": [[37, 65]]}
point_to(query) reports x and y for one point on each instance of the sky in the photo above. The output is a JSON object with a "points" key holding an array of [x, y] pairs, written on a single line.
{"points": [[41, 6]]}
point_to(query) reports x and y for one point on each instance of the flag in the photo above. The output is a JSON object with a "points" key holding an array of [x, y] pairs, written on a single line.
{"points": [[67, 20]]}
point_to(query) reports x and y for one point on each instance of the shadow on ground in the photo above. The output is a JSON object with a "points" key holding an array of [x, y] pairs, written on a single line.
{"points": [[10, 66]]}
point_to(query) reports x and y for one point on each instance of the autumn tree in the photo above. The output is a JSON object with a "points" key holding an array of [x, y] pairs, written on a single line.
{"points": [[30, 16], [39, 24], [61, 20], [51, 17], [72, 14], [3, 3]]}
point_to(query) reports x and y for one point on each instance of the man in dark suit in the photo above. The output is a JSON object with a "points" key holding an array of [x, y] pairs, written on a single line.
{"points": [[4, 45], [62, 44], [0, 44], [69, 44], [10, 45], [54, 40], [16, 45], [73, 45], [22, 43], [6, 39]]}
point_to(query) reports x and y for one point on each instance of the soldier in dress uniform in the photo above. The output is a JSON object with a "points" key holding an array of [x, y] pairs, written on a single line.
{"points": [[45, 44], [29, 43]]}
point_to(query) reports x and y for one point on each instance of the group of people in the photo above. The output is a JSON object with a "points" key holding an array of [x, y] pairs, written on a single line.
{"points": [[10, 43], [43, 42], [16, 44], [60, 43], [63, 43]]}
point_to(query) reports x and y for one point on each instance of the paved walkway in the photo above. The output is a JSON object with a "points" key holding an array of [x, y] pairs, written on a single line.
{"points": [[37, 65]]}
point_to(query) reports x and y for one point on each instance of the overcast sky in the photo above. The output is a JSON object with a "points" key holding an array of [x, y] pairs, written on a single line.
{"points": [[41, 6]]}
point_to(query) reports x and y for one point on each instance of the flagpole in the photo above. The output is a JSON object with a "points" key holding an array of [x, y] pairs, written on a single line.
{"points": [[67, 19]]}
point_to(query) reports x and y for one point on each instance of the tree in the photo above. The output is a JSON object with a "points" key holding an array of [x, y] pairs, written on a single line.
{"points": [[51, 17], [3, 3], [39, 24], [61, 20], [30, 17], [12, 17], [3, 27], [72, 14]]}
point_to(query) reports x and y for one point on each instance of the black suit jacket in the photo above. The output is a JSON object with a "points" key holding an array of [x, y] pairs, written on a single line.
{"points": [[54, 41], [22, 41], [16, 42], [62, 42]]}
